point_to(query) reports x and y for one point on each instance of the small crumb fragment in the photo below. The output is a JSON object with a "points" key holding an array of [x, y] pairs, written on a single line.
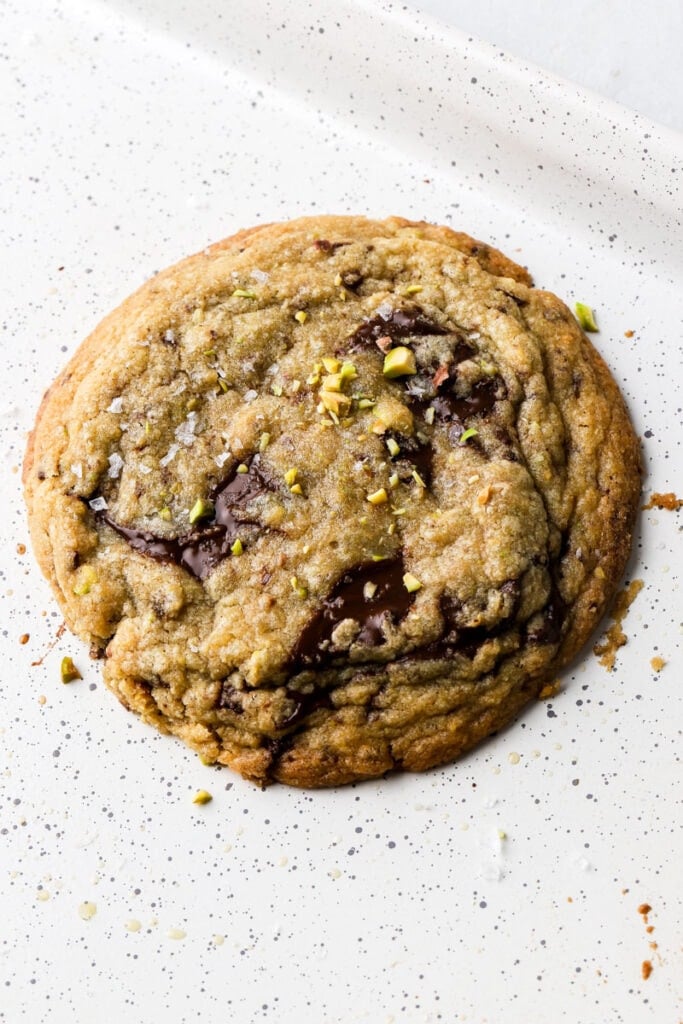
{"points": [[629, 334], [21, 549], [646, 969], [42, 699], [87, 910], [667, 501], [68, 670], [43, 895], [218, 940], [24, 638], [202, 796], [514, 757], [133, 925], [657, 663], [176, 933], [550, 690], [615, 637], [334, 873], [644, 909]]}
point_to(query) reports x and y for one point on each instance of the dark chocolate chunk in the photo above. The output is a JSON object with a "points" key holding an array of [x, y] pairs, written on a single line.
{"points": [[468, 639], [347, 600], [550, 629], [481, 400], [397, 324], [201, 550], [304, 705]]}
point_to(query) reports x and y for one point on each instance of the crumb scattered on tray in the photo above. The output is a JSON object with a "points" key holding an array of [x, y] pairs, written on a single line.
{"points": [[657, 663], [669, 501], [614, 638], [646, 969]]}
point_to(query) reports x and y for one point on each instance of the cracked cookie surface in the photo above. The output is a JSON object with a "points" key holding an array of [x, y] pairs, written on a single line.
{"points": [[334, 497]]}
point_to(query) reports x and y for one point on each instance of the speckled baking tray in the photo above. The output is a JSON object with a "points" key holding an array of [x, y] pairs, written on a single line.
{"points": [[505, 888]]}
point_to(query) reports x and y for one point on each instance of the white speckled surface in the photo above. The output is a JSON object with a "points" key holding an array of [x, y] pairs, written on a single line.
{"points": [[129, 140]]}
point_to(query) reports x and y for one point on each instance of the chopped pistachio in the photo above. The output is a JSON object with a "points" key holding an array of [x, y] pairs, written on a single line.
{"points": [[165, 514], [301, 316], [378, 497], [86, 577], [332, 382], [296, 489], [290, 476], [333, 417], [298, 588], [369, 590], [467, 434], [242, 293], [366, 403], [202, 797], [413, 289], [348, 372], [242, 468], [314, 378], [237, 548], [399, 362], [411, 583], [586, 317], [295, 387], [331, 364], [392, 446], [391, 530], [69, 671], [192, 403], [335, 402], [342, 294], [277, 390], [348, 421], [429, 415], [379, 558], [264, 442], [222, 384], [338, 280], [305, 549], [393, 481], [210, 353], [200, 510], [418, 479], [398, 511]]}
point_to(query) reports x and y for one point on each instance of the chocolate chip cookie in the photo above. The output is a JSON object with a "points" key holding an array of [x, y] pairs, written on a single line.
{"points": [[334, 497]]}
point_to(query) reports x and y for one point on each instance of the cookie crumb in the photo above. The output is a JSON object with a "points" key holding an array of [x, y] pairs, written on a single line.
{"points": [[614, 638], [21, 549], [646, 969], [87, 910], [629, 334], [24, 638], [657, 663], [667, 501]]}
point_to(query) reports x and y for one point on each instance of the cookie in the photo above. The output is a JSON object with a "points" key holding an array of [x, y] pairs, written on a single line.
{"points": [[334, 497]]}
